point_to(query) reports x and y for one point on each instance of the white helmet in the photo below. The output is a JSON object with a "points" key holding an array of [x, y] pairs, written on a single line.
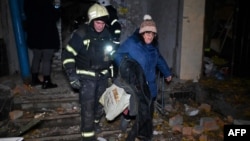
{"points": [[97, 11], [104, 2]]}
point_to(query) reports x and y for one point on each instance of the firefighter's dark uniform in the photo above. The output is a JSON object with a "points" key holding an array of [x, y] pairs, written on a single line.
{"points": [[86, 59], [114, 25], [112, 22], [115, 29]]}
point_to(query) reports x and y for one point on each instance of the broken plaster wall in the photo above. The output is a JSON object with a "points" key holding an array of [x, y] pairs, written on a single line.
{"points": [[180, 26], [7, 34], [167, 15], [192, 39]]}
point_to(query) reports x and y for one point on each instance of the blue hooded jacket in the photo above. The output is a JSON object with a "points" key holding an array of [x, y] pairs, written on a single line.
{"points": [[147, 55]]}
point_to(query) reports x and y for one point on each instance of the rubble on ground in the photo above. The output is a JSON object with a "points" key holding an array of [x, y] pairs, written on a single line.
{"points": [[190, 111]]}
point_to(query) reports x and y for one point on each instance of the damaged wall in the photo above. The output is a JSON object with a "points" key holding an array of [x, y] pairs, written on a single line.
{"points": [[181, 25], [169, 21], [6, 33], [192, 39]]}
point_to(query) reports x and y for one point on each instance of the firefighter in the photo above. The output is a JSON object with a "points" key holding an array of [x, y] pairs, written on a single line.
{"points": [[114, 26], [112, 22], [87, 59]]}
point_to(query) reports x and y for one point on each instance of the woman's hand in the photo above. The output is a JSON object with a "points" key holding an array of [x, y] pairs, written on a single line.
{"points": [[169, 78]]}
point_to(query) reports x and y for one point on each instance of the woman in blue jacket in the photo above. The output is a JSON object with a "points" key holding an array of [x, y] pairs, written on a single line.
{"points": [[142, 46]]}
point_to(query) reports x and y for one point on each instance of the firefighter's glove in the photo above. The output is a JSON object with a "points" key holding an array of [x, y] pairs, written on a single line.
{"points": [[75, 83], [74, 79]]}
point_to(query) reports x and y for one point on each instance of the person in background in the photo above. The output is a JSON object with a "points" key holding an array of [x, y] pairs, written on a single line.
{"points": [[114, 26], [42, 38], [113, 21], [142, 46], [87, 59]]}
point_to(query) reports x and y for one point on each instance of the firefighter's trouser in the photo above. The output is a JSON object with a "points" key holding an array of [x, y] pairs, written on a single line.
{"points": [[91, 110]]}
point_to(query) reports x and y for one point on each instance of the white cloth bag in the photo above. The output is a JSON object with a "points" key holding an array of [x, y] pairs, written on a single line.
{"points": [[114, 100]]}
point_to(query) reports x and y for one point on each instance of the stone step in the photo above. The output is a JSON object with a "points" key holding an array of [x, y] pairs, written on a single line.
{"points": [[58, 111], [54, 120], [62, 137], [47, 102]]}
